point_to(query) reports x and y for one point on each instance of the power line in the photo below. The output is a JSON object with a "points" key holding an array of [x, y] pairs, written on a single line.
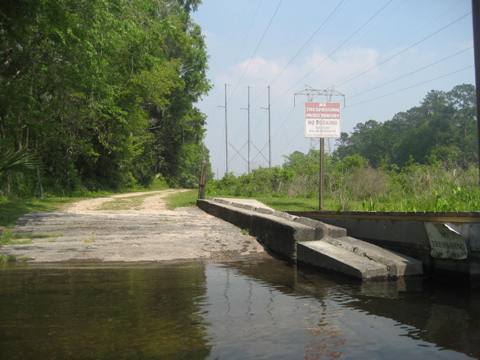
{"points": [[404, 50], [249, 31], [347, 39], [412, 72], [412, 86], [310, 38], [257, 47]]}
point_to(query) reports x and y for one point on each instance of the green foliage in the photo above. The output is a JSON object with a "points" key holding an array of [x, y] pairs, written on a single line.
{"points": [[20, 160], [416, 187], [442, 128], [102, 92], [12, 208], [5, 259], [182, 199]]}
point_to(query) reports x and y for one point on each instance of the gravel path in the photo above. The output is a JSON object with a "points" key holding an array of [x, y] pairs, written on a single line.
{"points": [[149, 232]]}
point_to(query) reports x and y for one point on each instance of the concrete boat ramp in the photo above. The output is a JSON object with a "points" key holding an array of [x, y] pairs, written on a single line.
{"points": [[311, 242]]}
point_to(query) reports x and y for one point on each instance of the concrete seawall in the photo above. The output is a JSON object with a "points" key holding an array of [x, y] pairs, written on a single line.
{"points": [[311, 242], [428, 237]]}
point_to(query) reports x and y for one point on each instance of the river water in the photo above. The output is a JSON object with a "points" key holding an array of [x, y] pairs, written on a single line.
{"points": [[261, 309]]}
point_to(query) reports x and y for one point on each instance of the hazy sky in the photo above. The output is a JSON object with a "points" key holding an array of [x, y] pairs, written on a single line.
{"points": [[376, 36]]}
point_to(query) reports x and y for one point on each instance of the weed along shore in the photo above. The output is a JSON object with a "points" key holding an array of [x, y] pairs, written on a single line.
{"points": [[132, 227]]}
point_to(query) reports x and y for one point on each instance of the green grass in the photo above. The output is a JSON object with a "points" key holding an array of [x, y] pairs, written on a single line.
{"points": [[182, 199], [5, 259], [285, 203], [128, 203], [18, 238], [12, 209]]}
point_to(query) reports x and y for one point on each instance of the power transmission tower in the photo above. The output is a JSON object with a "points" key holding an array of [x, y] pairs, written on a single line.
{"points": [[311, 93], [248, 126], [268, 108], [225, 106]]}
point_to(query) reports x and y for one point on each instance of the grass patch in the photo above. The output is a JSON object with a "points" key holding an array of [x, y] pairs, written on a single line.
{"points": [[288, 203], [5, 259], [12, 209], [128, 203], [8, 237], [182, 199]]}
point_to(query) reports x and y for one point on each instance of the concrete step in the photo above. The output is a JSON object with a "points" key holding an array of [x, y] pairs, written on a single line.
{"points": [[312, 242], [324, 255], [397, 264], [356, 258]]}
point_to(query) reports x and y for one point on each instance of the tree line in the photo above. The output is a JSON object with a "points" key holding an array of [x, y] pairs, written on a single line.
{"points": [[100, 94], [442, 127]]}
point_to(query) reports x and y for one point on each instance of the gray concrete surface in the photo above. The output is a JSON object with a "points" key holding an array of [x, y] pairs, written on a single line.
{"points": [[396, 264], [278, 234], [146, 233], [407, 235], [324, 255], [312, 242]]}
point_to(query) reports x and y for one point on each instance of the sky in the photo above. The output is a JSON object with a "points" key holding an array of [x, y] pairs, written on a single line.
{"points": [[384, 55]]}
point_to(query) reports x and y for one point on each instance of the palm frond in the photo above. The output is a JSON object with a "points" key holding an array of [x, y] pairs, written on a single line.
{"points": [[19, 160]]}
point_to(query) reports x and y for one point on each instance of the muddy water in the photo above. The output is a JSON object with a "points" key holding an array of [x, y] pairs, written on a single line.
{"points": [[257, 310]]}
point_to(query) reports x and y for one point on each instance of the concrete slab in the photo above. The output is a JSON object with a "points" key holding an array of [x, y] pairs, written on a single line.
{"points": [[324, 255], [397, 264], [322, 228], [251, 204], [311, 241], [278, 234]]}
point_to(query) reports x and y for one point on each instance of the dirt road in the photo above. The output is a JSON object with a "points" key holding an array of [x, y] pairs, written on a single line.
{"points": [[128, 227]]}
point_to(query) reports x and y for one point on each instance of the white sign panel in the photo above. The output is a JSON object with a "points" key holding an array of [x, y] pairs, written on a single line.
{"points": [[322, 120]]}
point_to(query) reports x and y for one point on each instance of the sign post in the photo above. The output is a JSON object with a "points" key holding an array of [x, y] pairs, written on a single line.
{"points": [[322, 120]]}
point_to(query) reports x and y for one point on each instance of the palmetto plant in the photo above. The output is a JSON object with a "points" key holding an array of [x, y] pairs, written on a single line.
{"points": [[16, 160]]}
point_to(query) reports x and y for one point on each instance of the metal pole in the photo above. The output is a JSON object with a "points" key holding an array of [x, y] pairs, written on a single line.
{"points": [[321, 174], [476, 46], [226, 133], [248, 114], [269, 132]]}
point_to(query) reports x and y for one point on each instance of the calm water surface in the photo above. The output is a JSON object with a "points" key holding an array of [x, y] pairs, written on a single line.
{"points": [[263, 309]]}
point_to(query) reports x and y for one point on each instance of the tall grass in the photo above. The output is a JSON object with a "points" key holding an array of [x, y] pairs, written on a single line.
{"points": [[354, 185]]}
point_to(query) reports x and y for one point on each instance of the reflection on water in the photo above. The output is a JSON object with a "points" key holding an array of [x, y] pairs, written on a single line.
{"points": [[262, 309]]}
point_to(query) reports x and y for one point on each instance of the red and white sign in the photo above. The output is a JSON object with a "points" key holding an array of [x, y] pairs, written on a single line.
{"points": [[322, 120]]}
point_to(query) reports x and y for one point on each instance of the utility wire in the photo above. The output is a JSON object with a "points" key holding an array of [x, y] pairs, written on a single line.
{"points": [[411, 87], [398, 53], [411, 72], [310, 38], [249, 31], [257, 47], [347, 39]]}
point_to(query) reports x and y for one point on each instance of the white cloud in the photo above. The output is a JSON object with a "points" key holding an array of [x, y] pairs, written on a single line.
{"points": [[322, 72]]}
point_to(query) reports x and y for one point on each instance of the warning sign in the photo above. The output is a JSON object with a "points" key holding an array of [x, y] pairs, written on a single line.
{"points": [[322, 120]]}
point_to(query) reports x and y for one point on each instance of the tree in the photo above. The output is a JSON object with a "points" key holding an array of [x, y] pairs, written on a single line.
{"points": [[102, 91], [443, 122]]}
